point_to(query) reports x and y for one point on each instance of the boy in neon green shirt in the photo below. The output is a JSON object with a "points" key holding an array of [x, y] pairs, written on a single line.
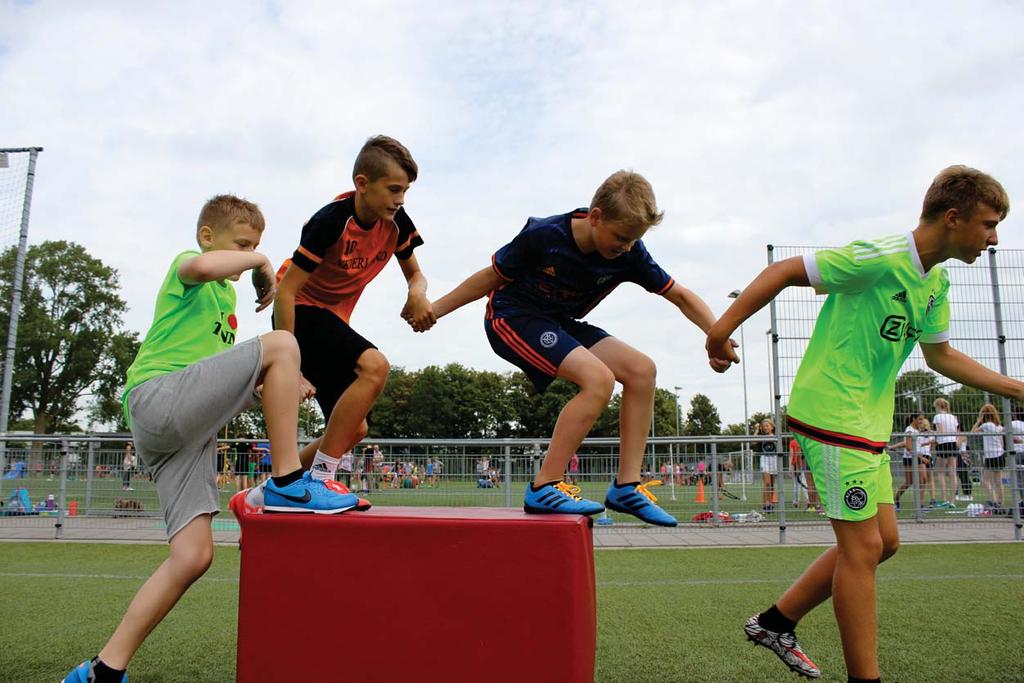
{"points": [[884, 296], [188, 380]]}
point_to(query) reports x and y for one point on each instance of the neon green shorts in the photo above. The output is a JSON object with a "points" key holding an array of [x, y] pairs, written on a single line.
{"points": [[851, 483]]}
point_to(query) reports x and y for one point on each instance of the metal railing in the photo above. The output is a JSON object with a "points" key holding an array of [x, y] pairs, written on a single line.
{"points": [[78, 481]]}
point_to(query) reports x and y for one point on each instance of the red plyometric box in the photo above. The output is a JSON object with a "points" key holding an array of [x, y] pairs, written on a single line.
{"points": [[397, 594]]}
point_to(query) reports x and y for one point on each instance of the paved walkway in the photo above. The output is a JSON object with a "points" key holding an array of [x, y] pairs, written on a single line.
{"points": [[149, 530]]}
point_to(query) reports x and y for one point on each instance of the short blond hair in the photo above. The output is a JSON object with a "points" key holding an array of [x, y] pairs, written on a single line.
{"points": [[963, 188], [225, 210], [626, 197], [941, 405]]}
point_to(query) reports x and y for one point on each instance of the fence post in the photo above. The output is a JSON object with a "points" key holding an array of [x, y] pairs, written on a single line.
{"points": [[672, 473], [508, 476], [777, 405], [62, 491], [915, 474], [714, 483], [90, 468], [1011, 454]]}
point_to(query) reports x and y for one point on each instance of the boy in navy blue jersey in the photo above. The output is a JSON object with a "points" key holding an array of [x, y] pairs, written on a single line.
{"points": [[541, 285]]}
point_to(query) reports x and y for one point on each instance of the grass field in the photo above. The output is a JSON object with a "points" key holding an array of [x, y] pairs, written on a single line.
{"points": [[946, 613]]}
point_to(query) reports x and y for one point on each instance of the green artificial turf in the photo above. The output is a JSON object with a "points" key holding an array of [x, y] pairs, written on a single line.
{"points": [[947, 612]]}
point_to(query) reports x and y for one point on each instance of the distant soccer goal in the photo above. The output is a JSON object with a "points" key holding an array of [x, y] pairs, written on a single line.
{"points": [[17, 174]]}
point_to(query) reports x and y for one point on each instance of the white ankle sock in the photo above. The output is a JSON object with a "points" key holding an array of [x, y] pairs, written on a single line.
{"points": [[324, 466]]}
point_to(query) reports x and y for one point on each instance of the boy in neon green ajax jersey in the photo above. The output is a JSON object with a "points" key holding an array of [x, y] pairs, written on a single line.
{"points": [[884, 296], [188, 379]]}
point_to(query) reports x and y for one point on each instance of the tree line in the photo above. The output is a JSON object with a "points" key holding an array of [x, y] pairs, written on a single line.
{"points": [[73, 352]]}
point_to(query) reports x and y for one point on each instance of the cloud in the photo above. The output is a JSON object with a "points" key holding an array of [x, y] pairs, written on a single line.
{"points": [[757, 123]]}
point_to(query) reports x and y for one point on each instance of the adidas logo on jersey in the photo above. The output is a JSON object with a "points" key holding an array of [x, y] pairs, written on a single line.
{"points": [[900, 296]]}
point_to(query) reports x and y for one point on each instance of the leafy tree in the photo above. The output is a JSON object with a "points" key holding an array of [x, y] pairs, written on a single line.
{"points": [[107, 407], [70, 343], [702, 418], [915, 391]]}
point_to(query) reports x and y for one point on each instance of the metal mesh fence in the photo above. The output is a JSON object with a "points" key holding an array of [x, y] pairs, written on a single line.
{"points": [[986, 323], [82, 483]]}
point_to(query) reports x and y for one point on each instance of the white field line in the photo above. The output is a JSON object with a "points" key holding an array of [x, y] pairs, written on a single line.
{"points": [[616, 584]]}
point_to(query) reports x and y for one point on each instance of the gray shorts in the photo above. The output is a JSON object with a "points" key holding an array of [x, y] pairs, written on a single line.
{"points": [[175, 419]]}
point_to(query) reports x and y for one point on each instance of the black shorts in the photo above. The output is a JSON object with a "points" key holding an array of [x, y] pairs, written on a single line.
{"points": [[996, 463], [947, 450], [330, 350]]}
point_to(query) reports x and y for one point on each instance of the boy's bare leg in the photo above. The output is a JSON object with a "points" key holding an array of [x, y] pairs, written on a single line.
{"points": [[280, 381], [638, 375], [815, 585], [954, 483], [595, 380], [346, 425], [190, 557]]}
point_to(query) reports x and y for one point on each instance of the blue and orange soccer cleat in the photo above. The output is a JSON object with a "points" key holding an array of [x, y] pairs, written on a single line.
{"points": [[637, 500], [306, 495], [83, 674], [559, 498]]}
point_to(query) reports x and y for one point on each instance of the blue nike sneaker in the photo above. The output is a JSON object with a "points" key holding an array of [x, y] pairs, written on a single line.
{"points": [[83, 674], [308, 494], [559, 497], [637, 500]]}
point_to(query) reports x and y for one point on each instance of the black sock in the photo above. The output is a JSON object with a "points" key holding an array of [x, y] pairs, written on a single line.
{"points": [[547, 483], [628, 483], [104, 674], [774, 620], [286, 479], [854, 679]]}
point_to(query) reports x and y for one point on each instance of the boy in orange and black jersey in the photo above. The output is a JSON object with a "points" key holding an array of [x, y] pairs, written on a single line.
{"points": [[343, 247]]}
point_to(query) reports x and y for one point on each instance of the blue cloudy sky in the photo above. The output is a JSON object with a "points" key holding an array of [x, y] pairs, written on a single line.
{"points": [[756, 122]]}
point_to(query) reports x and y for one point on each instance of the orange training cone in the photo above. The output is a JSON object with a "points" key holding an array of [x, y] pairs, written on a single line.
{"points": [[700, 491]]}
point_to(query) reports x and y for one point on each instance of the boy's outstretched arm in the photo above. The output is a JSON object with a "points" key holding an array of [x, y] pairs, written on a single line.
{"points": [[472, 288], [417, 311], [698, 312], [957, 366], [222, 264], [765, 287]]}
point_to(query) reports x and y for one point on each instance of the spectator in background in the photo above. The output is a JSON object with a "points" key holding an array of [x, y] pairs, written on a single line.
{"points": [[574, 468], [946, 451], [990, 426], [963, 468], [370, 467], [345, 467], [910, 457], [769, 451], [803, 480], [127, 466], [925, 441], [724, 465], [436, 482]]}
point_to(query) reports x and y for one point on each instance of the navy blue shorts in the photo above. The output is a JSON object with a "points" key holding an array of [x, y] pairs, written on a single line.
{"points": [[537, 345]]}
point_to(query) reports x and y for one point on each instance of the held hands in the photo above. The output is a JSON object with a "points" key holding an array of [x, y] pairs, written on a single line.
{"points": [[721, 353], [418, 312], [306, 390], [264, 280]]}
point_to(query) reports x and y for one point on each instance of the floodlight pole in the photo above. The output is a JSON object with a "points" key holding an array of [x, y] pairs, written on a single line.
{"points": [[746, 417]]}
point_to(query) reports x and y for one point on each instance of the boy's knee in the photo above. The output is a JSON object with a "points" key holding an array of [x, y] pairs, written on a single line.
{"points": [[600, 382], [373, 366], [889, 548], [640, 371], [279, 344], [361, 431], [193, 562]]}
